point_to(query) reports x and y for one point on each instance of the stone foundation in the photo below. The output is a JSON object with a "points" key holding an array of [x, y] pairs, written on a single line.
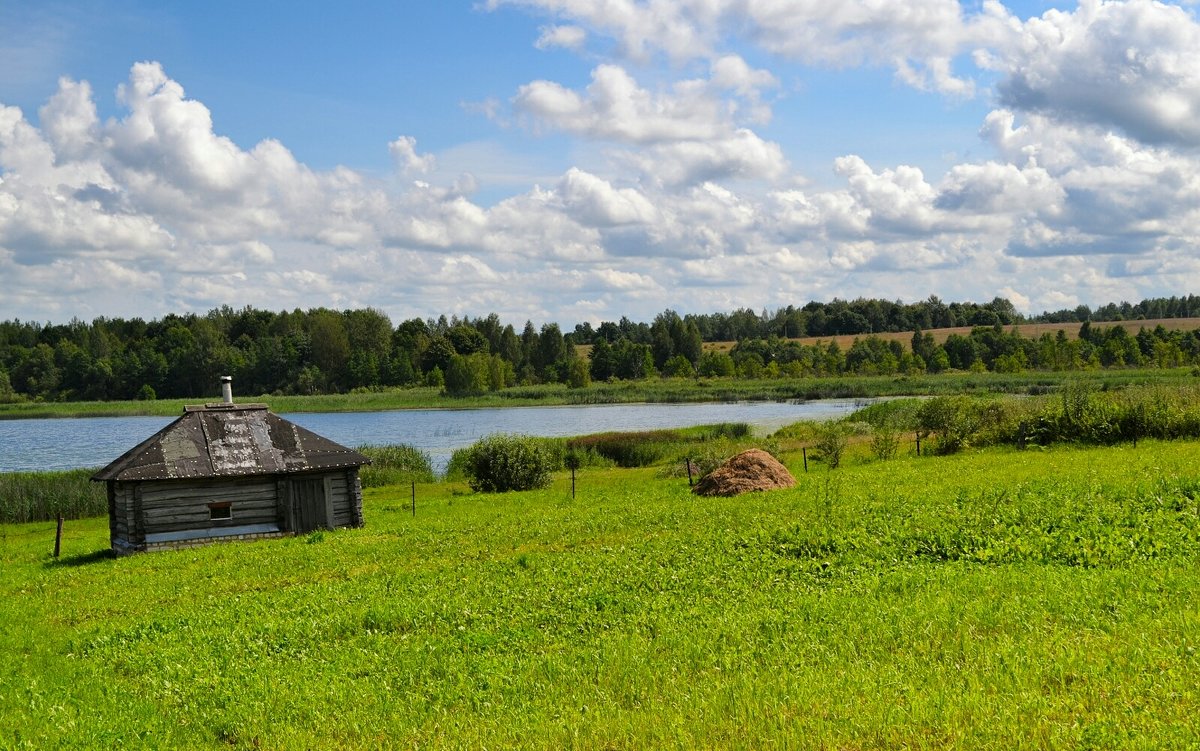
{"points": [[121, 548]]}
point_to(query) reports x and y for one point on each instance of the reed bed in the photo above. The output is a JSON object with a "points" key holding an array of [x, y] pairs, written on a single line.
{"points": [[42, 496], [396, 464]]}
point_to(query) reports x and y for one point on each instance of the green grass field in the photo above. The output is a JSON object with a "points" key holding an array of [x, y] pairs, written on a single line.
{"points": [[988, 600]]}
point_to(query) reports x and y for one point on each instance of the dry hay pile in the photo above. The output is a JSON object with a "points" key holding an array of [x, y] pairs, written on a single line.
{"points": [[748, 471]]}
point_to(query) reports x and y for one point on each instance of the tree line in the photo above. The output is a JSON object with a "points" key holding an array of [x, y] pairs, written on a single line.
{"points": [[328, 351], [984, 348]]}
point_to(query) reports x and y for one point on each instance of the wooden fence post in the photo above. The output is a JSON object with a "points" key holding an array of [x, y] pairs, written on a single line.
{"points": [[689, 469], [414, 499], [58, 536], [804, 451]]}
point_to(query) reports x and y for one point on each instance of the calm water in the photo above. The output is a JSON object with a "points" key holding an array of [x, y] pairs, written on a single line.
{"points": [[95, 441]]}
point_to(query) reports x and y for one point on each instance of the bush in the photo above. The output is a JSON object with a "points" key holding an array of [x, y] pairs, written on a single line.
{"points": [[951, 420], [885, 440], [500, 463], [832, 437]]}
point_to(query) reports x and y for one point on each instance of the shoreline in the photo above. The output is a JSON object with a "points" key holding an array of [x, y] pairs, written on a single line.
{"points": [[659, 391]]}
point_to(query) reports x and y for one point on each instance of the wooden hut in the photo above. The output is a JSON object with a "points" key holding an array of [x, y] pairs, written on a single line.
{"points": [[229, 471]]}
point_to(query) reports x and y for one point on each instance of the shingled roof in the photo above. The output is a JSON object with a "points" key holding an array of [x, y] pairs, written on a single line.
{"points": [[229, 440]]}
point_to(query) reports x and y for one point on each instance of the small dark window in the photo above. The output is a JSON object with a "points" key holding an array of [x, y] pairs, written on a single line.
{"points": [[220, 512]]}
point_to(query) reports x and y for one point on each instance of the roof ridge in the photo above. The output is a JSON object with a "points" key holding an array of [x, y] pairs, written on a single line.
{"points": [[223, 407]]}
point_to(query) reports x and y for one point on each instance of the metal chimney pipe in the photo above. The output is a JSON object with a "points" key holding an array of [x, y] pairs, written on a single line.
{"points": [[227, 389]]}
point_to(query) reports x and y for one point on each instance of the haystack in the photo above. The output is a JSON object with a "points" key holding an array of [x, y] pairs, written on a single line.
{"points": [[748, 471]]}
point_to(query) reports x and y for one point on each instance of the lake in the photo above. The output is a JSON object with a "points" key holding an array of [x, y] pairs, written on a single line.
{"points": [[46, 444]]}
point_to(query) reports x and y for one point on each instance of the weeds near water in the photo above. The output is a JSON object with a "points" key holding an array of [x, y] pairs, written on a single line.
{"points": [[42, 496], [634, 449], [395, 465]]}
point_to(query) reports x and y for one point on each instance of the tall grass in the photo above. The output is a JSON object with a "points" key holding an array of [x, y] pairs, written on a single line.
{"points": [[649, 447], [395, 464], [632, 449], [42, 496]]}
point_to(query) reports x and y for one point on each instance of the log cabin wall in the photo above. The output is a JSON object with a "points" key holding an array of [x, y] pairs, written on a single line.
{"points": [[173, 506], [158, 514]]}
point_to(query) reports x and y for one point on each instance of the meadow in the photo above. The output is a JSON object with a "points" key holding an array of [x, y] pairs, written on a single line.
{"points": [[992, 599]]}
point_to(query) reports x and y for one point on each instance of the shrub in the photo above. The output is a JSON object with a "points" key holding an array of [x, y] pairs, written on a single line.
{"points": [[832, 437], [885, 440], [951, 420], [499, 463]]}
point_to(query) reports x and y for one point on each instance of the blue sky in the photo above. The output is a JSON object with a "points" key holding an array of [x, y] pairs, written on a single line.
{"points": [[571, 160]]}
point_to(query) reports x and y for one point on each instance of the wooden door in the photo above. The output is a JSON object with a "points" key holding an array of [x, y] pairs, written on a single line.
{"points": [[309, 505]]}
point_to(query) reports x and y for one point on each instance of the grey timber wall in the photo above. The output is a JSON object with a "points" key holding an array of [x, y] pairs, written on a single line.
{"points": [[172, 506], [176, 513]]}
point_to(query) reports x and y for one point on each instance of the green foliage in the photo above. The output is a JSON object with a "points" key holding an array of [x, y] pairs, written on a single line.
{"points": [[146, 393], [435, 378], [717, 442], [731, 430], [468, 375], [1083, 414], [704, 457], [501, 463], [899, 413], [832, 436], [885, 439], [950, 420], [42, 496], [678, 366], [6, 390], [631, 449], [804, 431], [716, 365], [578, 375], [395, 464], [320, 351]]}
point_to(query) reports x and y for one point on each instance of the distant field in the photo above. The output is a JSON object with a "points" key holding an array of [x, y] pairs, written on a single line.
{"points": [[1027, 330]]}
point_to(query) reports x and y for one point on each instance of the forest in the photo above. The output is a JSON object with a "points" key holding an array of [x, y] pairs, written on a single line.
{"points": [[327, 351]]}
